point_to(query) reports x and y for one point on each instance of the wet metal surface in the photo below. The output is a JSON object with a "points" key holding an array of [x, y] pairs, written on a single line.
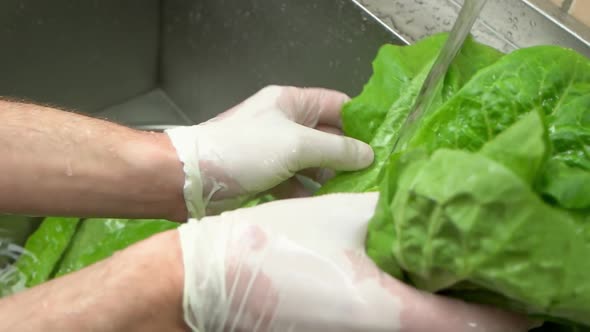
{"points": [[503, 24], [218, 52]]}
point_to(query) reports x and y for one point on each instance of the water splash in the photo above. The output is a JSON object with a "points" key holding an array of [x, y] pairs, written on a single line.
{"points": [[467, 16], [12, 280]]}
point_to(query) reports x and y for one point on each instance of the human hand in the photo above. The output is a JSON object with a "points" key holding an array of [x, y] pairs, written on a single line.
{"points": [[263, 142], [300, 265]]}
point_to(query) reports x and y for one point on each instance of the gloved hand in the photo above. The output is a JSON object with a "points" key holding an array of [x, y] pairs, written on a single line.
{"points": [[262, 142], [300, 265]]}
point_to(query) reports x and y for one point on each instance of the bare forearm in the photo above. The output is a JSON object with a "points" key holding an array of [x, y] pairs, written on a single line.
{"points": [[138, 289], [60, 163]]}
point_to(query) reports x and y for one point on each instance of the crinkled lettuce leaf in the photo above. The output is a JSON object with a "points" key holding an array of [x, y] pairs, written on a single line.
{"points": [[549, 79], [489, 199], [382, 107], [465, 216], [458, 216]]}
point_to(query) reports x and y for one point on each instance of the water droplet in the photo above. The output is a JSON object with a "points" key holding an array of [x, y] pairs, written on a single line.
{"points": [[69, 171]]}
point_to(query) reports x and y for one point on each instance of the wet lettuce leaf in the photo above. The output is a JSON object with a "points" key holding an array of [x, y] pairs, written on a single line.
{"points": [[376, 115], [97, 239], [44, 249], [394, 70], [469, 217], [570, 186], [63, 245], [489, 200], [464, 216], [549, 79]]}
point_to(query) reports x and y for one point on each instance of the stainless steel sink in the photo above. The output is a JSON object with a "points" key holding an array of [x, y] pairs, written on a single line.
{"points": [[171, 62], [153, 64]]}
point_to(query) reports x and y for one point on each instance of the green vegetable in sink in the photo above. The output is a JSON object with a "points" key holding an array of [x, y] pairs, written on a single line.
{"points": [[97, 239], [36, 262], [63, 245], [490, 200], [44, 249]]}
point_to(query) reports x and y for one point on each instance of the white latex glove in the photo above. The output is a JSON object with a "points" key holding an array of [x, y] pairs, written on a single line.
{"points": [[262, 142], [300, 265]]}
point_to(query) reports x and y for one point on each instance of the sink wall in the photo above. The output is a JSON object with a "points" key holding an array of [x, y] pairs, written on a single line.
{"points": [[179, 61], [83, 55], [217, 52]]}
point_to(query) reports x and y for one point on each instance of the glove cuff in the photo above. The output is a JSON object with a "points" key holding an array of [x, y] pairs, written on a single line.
{"points": [[205, 299], [184, 140]]}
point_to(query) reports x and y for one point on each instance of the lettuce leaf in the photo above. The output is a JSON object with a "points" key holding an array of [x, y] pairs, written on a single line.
{"points": [[409, 66], [44, 249], [468, 217], [489, 200], [63, 245], [97, 239], [517, 84]]}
